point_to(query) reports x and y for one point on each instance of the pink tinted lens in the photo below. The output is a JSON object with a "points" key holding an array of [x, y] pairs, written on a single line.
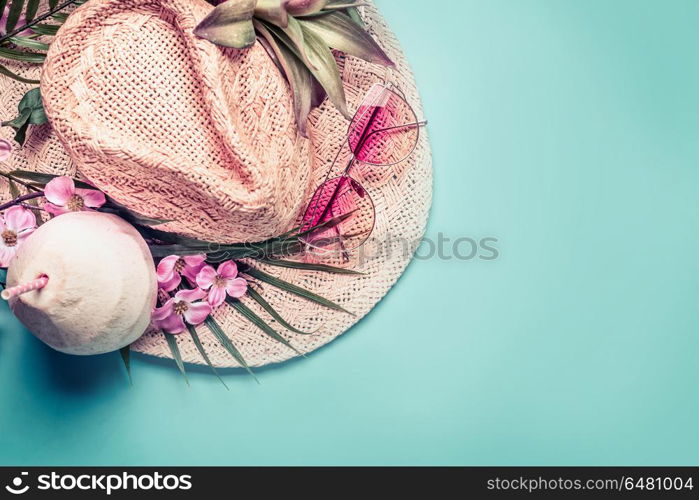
{"points": [[383, 132], [339, 198]]}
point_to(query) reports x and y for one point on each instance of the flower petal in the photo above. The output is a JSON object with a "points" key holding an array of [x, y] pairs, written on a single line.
{"points": [[217, 296], [195, 260], [166, 268], [205, 278], [228, 270], [193, 265], [236, 288], [60, 190], [18, 219], [191, 295], [172, 324], [169, 286], [197, 313], [91, 197], [5, 149]]}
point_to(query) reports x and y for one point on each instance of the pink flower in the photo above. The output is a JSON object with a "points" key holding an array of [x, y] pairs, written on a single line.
{"points": [[5, 150], [187, 305], [15, 226], [62, 197], [221, 282], [172, 268]]}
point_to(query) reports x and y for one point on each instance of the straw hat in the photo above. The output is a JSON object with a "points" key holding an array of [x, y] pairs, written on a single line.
{"points": [[206, 137]]}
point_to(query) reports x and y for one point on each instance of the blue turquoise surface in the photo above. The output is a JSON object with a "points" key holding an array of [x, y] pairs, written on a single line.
{"points": [[568, 131]]}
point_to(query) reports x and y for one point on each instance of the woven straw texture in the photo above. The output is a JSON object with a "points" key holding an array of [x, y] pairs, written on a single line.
{"points": [[402, 196], [174, 127]]}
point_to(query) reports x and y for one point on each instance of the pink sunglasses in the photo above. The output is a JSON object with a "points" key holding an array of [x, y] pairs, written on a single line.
{"points": [[384, 132]]}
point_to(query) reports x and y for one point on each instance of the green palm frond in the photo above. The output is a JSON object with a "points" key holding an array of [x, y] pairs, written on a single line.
{"points": [[300, 36], [23, 25]]}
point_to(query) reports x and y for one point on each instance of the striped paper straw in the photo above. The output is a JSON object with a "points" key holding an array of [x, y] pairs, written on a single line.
{"points": [[18, 290]]}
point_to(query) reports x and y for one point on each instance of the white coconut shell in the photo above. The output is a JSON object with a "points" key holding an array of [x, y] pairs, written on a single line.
{"points": [[102, 284]]}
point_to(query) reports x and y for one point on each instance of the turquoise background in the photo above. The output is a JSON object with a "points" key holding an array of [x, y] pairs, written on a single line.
{"points": [[569, 130]]}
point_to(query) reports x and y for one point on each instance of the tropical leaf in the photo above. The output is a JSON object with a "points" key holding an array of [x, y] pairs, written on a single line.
{"points": [[31, 112], [299, 78], [251, 316], [126, 358], [307, 266], [46, 29], [29, 43], [30, 12], [176, 355], [14, 190], [322, 65], [13, 15], [11, 74], [341, 33], [254, 295], [40, 179], [229, 24], [228, 345], [18, 55], [202, 351], [112, 206], [274, 11], [289, 287], [22, 19]]}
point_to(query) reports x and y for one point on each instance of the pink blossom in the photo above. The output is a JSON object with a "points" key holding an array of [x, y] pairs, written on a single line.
{"points": [[221, 282], [187, 305], [62, 197], [5, 150], [15, 226], [172, 268]]}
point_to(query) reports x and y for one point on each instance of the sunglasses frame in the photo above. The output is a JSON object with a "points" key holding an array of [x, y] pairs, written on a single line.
{"points": [[346, 173]]}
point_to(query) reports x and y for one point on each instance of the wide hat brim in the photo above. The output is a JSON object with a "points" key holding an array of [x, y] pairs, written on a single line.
{"points": [[402, 196]]}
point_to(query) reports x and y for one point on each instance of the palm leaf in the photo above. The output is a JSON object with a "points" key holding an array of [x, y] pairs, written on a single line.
{"points": [[307, 266], [10, 74], [18, 55], [341, 33], [202, 351], [126, 358], [14, 190], [176, 355], [273, 11], [272, 312], [13, 15], [46, 29], [30, 11], [289, 287], [229, 24], [228, 345], [323, 65], [298, 76], [251, 316], [29, 43], [307, 8]]}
